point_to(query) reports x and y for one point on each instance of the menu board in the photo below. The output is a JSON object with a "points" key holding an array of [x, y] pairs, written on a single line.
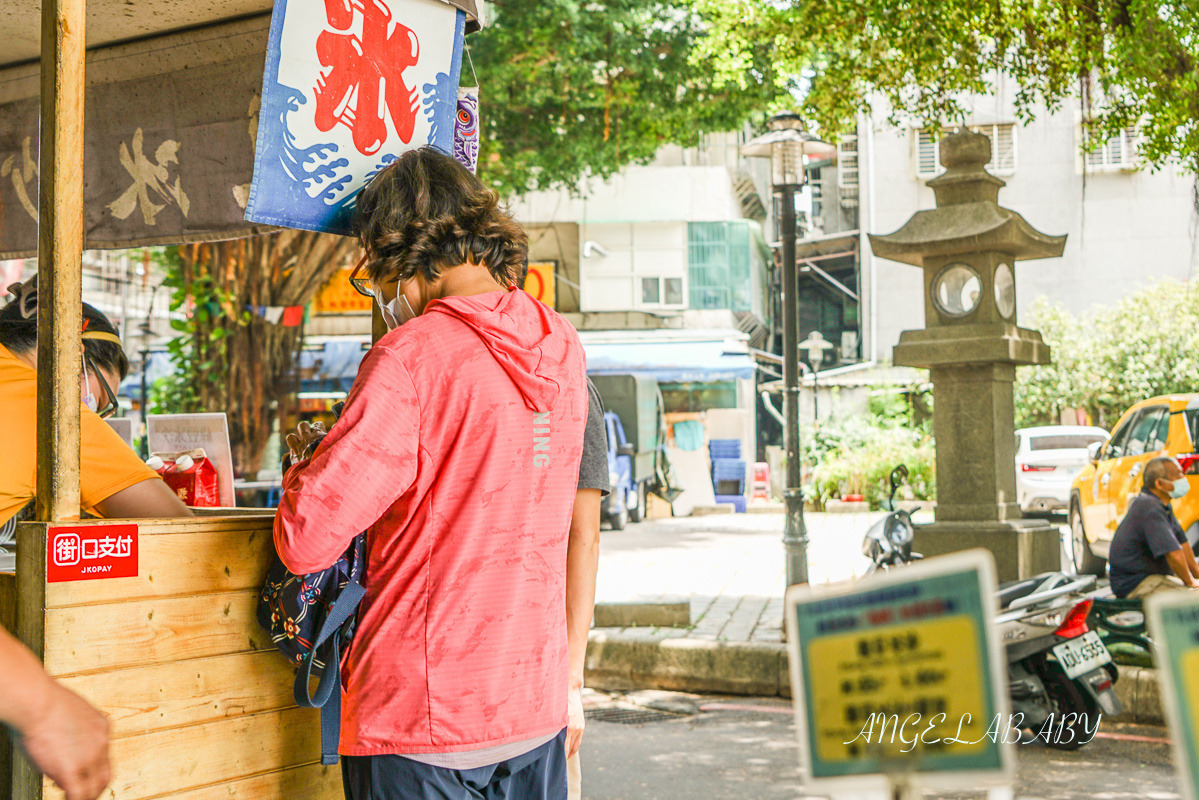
{"points": [[1173, 619], [176, 433], [899, 674]]}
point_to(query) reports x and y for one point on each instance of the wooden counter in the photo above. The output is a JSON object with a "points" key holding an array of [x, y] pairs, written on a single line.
{"points": [[200, 701]]}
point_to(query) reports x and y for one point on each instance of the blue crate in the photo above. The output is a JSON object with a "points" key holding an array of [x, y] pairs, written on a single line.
{"points": [[728, 469], [738, 501], [724, 448]]}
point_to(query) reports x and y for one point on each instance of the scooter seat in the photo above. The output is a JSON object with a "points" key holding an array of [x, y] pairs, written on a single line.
{"points": [[1010, 592], [1047, 581]]}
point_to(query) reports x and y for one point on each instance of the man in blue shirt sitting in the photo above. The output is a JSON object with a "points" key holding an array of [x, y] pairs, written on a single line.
{"points": [[1150, 552]]}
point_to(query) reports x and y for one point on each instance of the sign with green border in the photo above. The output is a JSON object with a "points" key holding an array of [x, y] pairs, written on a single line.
{"points": [[899, 675], [1173, 619]]}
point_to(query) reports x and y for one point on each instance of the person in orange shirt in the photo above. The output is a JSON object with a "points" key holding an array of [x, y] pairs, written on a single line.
{"points": [[113, 481], [64, 736]]}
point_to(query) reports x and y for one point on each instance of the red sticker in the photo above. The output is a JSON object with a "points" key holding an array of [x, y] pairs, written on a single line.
{"points": [[87, 552]]}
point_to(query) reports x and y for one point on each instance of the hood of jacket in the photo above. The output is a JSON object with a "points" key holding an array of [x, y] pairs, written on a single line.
{"points": [[528, 339]]}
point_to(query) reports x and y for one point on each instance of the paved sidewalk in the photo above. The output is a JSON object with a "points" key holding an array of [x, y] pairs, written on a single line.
{"points": [[730, 569], [729, 566]]}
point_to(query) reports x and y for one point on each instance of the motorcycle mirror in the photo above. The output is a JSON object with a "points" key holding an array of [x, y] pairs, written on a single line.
{"points": [[898, 475]]}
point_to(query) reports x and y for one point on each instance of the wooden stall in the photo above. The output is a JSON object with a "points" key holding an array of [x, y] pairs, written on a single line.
{"points": [[199, 700]]}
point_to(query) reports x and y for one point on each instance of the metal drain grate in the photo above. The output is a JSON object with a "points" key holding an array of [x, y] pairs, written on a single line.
{"points": [[628, 716]]}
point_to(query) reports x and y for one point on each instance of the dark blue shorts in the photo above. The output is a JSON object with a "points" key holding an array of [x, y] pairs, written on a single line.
{"points": [[537, 775]]}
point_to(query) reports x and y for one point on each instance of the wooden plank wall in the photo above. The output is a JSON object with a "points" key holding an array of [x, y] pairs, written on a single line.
{"points": [[200, 701]]}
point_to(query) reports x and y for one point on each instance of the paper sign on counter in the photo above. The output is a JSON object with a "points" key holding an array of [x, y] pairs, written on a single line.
{"points": [[176, 433]]}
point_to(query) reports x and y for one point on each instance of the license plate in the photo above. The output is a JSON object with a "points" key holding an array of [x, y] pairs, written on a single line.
{"points": [[1080, 656]]}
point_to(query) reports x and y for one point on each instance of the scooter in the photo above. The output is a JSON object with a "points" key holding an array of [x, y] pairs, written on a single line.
{"points": [[1061, 678], [888, 543]]}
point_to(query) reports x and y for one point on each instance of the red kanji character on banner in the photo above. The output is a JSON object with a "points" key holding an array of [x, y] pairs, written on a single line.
{"points": [[364, 77]]}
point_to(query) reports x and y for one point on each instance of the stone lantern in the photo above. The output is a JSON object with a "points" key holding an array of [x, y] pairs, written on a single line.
{"points": [[967, 247]]}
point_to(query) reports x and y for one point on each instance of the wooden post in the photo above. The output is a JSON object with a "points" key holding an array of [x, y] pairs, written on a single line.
{"points": [[60, 251]]}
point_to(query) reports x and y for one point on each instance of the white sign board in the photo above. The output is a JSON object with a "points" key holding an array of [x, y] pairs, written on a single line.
{"points": [[124, 428], [1173, 619], [897, 679], [174, 433]]}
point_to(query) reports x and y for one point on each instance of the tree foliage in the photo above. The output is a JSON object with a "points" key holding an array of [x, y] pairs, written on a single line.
{"points": [[1109, 358], [571, 89], [1124, 61], [228, 359]]}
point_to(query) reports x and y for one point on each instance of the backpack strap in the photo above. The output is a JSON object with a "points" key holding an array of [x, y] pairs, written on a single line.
{"points": [[328, 689]]}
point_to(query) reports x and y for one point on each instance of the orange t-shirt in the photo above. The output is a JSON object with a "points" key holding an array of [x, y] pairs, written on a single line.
{"points": [[106, 464]]}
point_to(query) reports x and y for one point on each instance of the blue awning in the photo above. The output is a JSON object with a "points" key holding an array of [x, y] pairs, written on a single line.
{"points": [[333, 367], [669, 361]]}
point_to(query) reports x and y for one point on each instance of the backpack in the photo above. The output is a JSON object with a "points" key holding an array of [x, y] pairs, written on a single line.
{"points": [[311, 619]]}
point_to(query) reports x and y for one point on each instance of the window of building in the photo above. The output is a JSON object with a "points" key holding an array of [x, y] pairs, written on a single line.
{"points": [[651, 291], [1003, 150], [659, 291], [848, 175], [672, 292], [1117, 153]]}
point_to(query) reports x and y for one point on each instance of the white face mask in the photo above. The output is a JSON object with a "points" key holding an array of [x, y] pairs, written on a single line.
{"points": [[1180, 487], [85, 394], [393, 316]]}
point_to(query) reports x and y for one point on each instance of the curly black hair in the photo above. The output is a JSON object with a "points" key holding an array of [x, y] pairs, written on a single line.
{"points": [[425, 213]]}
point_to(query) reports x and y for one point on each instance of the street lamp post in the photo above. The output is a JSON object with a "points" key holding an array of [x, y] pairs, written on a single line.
{"points": [[785, 144], [814, 346]]}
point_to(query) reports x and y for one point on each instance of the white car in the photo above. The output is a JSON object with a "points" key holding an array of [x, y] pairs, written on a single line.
{"points": [[1048, 459]]}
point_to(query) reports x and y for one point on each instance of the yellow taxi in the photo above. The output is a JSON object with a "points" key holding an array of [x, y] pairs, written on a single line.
{"points": [[1161, 426]]}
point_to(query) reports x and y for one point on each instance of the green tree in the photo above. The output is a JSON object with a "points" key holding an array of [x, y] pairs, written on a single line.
{"points": [[1147, 345], [1109, 358], [573, 89], [228, 359], [1042, 392], [1126, 61]]}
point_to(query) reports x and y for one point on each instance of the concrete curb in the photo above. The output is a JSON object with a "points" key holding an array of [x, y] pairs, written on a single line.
{"points": [[1141, 695], [626, 661]]}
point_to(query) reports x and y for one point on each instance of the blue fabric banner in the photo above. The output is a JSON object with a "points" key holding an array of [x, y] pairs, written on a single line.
{"points": [[348, 86]]}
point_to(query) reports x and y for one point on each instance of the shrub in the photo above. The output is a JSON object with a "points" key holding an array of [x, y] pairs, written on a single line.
{"points": [[856, 457]]}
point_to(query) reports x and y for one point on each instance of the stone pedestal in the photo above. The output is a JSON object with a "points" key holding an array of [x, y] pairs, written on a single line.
{"points": [[971, 344], [1022, 548]]}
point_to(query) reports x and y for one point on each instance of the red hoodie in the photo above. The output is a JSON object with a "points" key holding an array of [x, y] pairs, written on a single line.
{"points": [[458, 452]]}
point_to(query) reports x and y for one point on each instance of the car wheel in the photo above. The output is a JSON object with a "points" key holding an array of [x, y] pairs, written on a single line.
{"points": [[619, 518], [1085, 561], [637, 512]]}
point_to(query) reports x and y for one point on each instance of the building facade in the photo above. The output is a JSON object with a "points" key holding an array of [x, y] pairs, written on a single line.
{"points": [[1126, 226]]}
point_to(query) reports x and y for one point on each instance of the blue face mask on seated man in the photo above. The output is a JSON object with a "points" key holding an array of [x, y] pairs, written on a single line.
{"points": [[1180, 487]]}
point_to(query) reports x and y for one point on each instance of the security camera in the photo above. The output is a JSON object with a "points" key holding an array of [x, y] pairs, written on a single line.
{"points": [[590, 247]]}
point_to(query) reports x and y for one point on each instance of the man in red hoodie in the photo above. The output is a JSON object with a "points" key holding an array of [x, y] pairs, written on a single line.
{"points": [[458, 452]]}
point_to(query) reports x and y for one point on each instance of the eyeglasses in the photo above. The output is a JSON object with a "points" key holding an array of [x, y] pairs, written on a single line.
{"points": [[361, 283], [110, 407]]}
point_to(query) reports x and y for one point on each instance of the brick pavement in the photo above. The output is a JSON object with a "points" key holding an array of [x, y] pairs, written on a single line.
{"points": [[730, 567]]}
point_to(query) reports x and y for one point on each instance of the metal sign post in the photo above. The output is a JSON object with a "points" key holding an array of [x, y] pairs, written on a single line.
{"points": [[897, 680]]}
